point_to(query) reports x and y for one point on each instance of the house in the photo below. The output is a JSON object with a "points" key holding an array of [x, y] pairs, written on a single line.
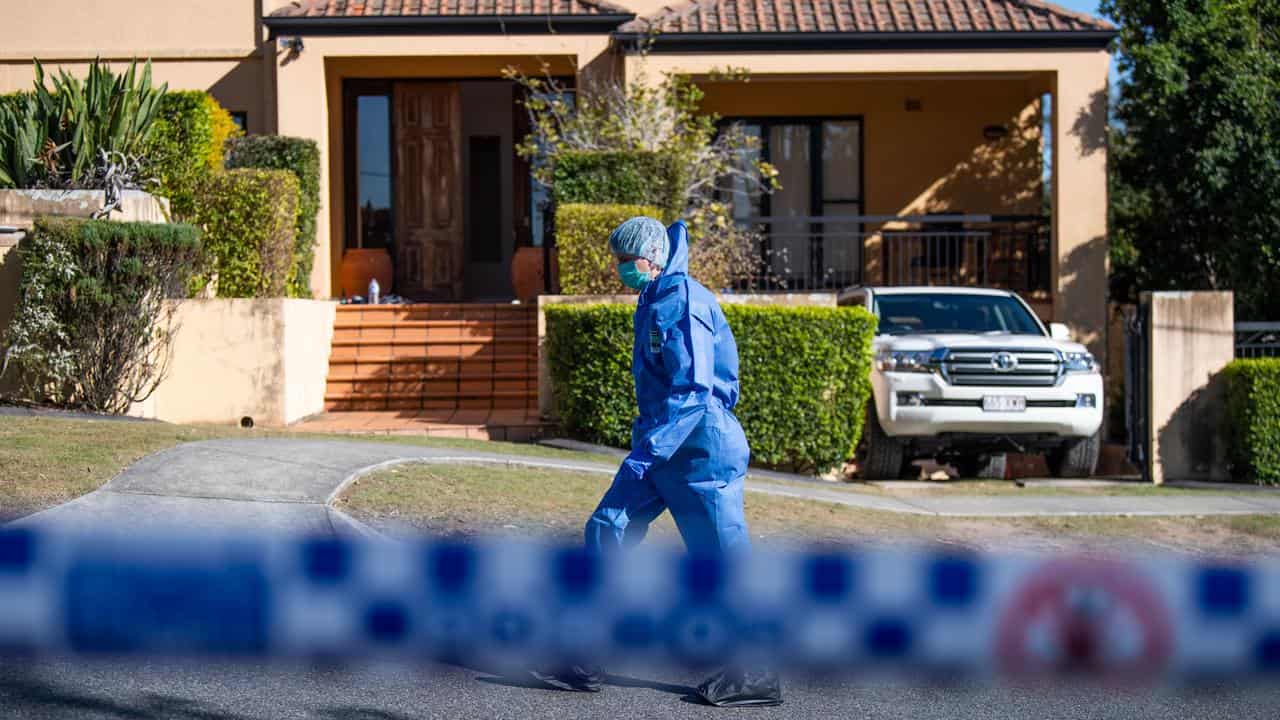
{"points": [[911, 137]]}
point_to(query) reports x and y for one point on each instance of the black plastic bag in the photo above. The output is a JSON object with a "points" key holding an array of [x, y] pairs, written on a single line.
{"points": [[735, 687], [575, 678]]}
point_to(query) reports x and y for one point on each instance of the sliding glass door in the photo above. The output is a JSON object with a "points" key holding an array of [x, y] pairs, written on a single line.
{"points": [[811, 236]]}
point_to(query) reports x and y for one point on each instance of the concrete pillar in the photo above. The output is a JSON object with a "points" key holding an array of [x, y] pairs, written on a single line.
{"points": [[1190, 339], [1079, 144], [302, 107]]}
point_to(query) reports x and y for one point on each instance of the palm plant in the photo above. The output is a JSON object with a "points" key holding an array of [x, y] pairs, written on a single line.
{"points": [[57, 136]]}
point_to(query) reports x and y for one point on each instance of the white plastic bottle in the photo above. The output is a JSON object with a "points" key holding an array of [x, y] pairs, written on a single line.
{"points": [[374, 292]]}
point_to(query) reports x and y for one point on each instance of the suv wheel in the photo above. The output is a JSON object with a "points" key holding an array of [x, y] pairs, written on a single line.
{"points": [[983, 467], [1076, 457], [884, 457]]}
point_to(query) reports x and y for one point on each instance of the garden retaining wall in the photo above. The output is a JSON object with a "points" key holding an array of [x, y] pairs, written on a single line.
{"points": [[263, 359]]}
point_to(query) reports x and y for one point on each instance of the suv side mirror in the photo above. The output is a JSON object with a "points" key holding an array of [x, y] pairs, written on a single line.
{"points": [[1059, 331]]}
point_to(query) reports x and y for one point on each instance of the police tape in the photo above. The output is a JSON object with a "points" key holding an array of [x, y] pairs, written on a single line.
{"points": [[508, 603]]}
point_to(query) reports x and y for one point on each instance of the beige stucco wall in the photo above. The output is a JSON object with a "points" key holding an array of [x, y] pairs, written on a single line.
{"points": [[1077, 80], [233, 358], [20, 208], [309, 98], [919, 161], [1190, 338], [211, 45]]}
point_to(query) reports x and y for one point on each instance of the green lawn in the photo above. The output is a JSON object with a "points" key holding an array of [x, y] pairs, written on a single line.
{"points": [[46, 461], [468, 499]]}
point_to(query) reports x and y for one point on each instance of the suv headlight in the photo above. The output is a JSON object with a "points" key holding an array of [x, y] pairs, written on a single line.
{"points": [[900, 361], [1079, 362]]}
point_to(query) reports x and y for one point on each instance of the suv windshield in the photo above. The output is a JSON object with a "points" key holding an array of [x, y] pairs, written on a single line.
{"points": [[953, 313]]}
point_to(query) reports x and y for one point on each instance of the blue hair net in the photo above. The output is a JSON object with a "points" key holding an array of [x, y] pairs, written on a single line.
{"points": [[642, 237]]}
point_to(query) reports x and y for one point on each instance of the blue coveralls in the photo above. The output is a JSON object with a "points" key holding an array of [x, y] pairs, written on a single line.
{"points": [[688, 452]]}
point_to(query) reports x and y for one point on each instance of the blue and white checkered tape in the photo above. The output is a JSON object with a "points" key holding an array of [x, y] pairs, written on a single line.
{"points": [[524, 604]]}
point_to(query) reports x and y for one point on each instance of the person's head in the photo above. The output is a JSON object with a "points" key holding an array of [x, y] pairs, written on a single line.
{"points": [[640, 248]]}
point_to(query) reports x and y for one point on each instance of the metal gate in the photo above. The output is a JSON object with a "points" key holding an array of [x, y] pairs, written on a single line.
{"points": [[1137, 368], [1257, 339]]}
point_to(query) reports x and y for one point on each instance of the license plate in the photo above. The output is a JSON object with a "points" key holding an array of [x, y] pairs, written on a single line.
{"points": [[1004, 403]]}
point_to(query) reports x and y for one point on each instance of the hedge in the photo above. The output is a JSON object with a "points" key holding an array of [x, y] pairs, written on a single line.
{"points": [[301, 157], [804, 374], [582, 245], [1253, 401], [248, 218], [186, 145], [639, 178], [92, 325]]}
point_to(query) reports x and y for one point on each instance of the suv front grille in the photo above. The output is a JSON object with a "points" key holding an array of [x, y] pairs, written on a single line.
{"points": [[1030, 368]]}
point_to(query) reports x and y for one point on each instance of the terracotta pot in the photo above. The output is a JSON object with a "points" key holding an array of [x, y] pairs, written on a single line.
{"points": [[528, 273], [359, 266]]}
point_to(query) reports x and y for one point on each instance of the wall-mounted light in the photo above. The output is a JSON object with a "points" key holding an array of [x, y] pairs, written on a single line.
{"points": [[995, 132], [293, 44]]}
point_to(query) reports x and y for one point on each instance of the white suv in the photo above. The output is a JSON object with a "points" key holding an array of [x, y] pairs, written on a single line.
{"points": [[965, 375]]}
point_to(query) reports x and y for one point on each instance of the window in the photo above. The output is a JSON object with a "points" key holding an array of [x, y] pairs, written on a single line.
{"points": [[370, 215], [241, 119], [954, 313], [484, 196], [819, 161]]}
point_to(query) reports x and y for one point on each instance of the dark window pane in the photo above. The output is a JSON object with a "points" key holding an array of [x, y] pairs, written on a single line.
{"points": [[485, 188], [841, 143], [373, 161], [938, 313], [790, 239], [745, 197]]}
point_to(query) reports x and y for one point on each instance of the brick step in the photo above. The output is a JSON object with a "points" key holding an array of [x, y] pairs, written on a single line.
{"points": [[429, 388], [438, 392], [417, 402], [422, 352], [512, 342], [434, 367], [473, 376], [350, 338], [524, 323], [479, 424], [434, 312]]}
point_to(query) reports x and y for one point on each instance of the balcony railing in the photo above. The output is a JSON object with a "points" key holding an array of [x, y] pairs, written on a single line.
{"points": [[1257, 339], [835, 252]]}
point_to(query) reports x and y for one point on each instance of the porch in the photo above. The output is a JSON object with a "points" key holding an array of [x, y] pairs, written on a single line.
{"points": [[834, 252]]}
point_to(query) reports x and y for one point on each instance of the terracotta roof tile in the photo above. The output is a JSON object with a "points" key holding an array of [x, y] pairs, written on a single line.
{"points": [[862, 16], [437, 8]]}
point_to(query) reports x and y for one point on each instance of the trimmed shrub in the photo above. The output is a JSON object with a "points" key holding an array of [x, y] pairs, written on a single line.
{"points": [[804, 374], [92, 328], [302, 158], [1253, 401], [248, 218], [582, 245], [718, 256], [186, 145], [624, 178]]}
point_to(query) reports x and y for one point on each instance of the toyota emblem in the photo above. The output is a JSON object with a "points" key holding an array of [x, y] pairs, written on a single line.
{"points": [[1004, 362]]}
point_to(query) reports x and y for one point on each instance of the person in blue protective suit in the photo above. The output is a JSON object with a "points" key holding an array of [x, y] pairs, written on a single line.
{"points": [[688, 453]]}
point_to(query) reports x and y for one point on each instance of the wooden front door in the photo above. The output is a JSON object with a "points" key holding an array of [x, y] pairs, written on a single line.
{"points": [[429, 231]]}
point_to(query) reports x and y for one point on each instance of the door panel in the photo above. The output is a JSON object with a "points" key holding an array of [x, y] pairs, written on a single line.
{"points": [[429, 232]]}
